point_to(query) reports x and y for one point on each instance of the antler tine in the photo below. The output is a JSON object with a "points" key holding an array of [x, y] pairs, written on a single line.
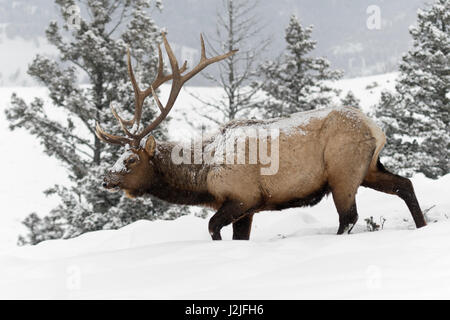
{"points": [[204, 62], [122, 124], [202, 43], [109, 138], [137, 91], [161, 78], [160, 62], [160, 106], [178, 81], [172, 59], [137, 99]]}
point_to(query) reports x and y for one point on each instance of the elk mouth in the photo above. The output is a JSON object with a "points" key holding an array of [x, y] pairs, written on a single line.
{"points": [[111, 183], [111, 188]]}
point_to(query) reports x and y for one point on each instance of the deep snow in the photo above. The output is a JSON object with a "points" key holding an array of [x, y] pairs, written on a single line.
{"points": [[292, 254]]}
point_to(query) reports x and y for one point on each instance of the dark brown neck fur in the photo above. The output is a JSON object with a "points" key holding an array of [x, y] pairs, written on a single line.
{"points": [[179, 184]]}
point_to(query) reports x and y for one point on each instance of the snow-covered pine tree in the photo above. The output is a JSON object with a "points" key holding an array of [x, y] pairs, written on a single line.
{"points": [[397, 155], [96, 50], [296, 81], [416, 116], [350, 100]]}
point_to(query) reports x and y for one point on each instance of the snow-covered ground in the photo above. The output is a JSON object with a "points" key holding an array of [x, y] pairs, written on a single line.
{"points": [[292, 254]]}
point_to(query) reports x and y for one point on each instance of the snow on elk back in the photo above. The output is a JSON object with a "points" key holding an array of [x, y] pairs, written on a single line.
{"points": [[292, 124]]}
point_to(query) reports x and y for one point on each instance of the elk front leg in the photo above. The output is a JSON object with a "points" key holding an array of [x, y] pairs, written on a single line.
{"points": [[242, 227], [229, 212]]}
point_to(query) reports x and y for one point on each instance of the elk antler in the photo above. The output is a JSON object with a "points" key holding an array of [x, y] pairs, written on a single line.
{"points": [[139, 95], [178, 81]]}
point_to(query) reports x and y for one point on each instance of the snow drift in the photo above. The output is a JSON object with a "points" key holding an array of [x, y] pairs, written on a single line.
{"points": [[293, 254]]}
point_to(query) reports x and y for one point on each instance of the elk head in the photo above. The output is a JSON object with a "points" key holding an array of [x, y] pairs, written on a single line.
{"points": [[134, 171]]}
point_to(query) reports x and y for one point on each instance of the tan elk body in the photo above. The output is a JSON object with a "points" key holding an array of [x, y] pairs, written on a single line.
{"points": [[334, 150], [334, 142]]}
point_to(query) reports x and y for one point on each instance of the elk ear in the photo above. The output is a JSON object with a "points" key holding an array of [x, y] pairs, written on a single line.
{"points": [[150, 146]]}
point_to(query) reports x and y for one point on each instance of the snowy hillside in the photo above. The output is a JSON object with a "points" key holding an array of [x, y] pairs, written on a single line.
{"points": [[292, 254]]}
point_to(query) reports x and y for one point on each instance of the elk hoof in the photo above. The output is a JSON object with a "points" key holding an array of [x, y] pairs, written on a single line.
{"points": [[215, 235], [347, 228]]}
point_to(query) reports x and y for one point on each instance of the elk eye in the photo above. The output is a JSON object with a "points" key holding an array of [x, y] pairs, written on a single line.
{"points": [[131, 160]]}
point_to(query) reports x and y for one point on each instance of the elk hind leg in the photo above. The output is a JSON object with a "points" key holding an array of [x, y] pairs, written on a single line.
{"points": [[382, 180]]}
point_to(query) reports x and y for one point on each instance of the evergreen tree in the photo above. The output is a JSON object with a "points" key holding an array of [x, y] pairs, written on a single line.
{"points": [[350, 100], [416, 117], [94, 48], [296, 81]]}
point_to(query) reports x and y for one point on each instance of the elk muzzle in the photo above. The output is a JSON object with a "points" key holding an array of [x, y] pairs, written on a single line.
{"points": [[111, 181]]}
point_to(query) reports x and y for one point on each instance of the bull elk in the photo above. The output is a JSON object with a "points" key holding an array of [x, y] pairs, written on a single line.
{"points": [[333, 150]]}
